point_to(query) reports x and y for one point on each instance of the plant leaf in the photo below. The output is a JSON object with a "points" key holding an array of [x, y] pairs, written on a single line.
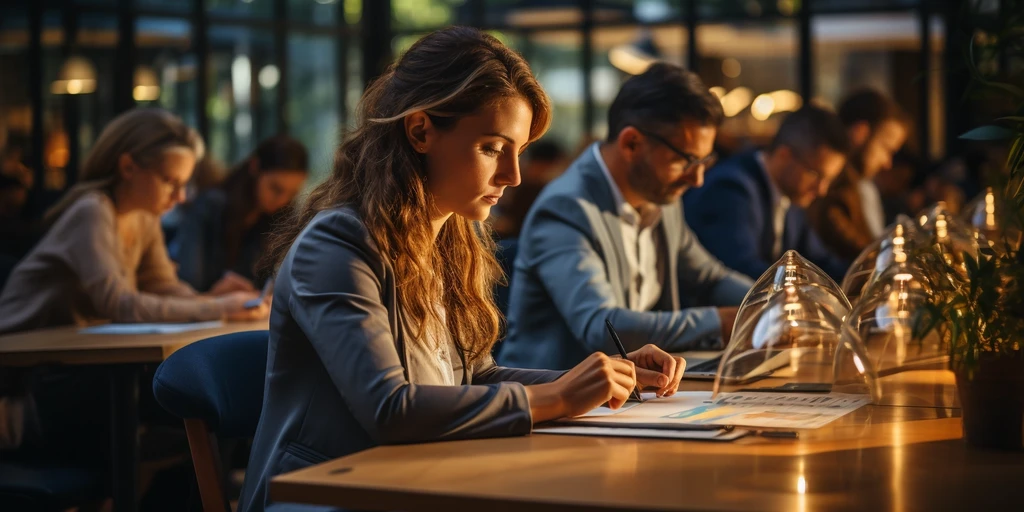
{"points": [[989, 132]]}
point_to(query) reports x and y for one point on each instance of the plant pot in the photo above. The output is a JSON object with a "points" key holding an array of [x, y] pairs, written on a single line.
{"points": [[993, 402]]}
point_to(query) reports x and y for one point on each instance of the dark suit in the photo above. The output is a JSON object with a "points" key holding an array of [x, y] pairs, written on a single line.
{"points": [[732, 216]]}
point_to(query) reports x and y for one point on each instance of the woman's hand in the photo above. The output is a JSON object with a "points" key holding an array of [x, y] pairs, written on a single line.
{"points": [[231, 282], [596, 380], [235, 310], [657, 368]]}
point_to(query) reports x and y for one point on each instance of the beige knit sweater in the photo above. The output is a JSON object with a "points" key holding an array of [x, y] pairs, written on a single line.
{"points": [[92, 265]]}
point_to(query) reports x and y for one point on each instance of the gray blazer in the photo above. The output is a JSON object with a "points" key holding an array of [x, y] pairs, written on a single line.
{"points": [[571, 273], [341, 375]]}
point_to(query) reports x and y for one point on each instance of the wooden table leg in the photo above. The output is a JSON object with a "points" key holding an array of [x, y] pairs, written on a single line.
{"points": [[124, 437]]}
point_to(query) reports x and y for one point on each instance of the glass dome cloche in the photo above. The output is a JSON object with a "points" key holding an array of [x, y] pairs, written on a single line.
{"points": [[986, 217], [945, 231], [900, 236], [795, 343], [887, 315], [792, 268], [788, 336]]}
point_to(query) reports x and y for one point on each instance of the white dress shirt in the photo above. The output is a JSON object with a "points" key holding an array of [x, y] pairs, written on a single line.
{"points": [[639, 235], [780, 207], [871, 204]]}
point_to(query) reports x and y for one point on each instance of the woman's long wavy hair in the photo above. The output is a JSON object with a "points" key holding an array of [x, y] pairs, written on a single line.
{"points": [[144, 133], [448, 74]]}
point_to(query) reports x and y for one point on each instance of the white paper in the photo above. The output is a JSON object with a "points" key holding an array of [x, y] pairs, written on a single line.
{"points": [[760, 410], [150, 328], [706, 435]]}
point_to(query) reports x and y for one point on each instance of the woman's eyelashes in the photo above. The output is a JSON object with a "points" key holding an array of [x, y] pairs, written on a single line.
{"points": [[491, 150]]}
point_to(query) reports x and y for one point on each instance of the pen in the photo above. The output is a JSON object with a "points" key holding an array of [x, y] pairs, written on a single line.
{"points": [[252, 303], [622, 351]]}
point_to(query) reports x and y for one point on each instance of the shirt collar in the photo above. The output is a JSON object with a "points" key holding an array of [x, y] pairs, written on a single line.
{"points": [[778, 200], [648, 217]]}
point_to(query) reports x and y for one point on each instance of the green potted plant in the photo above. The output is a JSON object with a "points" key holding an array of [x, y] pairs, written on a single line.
{"points": [[977, 304]]}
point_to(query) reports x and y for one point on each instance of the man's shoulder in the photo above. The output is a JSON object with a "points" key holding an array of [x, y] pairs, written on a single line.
{"points": [[734, 175]]}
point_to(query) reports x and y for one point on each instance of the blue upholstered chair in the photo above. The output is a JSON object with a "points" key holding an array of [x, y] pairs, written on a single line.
{"points": [[216, 386], [43, 488]]}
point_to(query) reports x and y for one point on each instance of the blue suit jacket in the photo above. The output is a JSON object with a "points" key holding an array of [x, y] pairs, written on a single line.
{"points": [[571, 274], [731, 215]]}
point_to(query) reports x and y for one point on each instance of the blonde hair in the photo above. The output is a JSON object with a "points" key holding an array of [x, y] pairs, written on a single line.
{"points": [[145, 134], [448, 74]]}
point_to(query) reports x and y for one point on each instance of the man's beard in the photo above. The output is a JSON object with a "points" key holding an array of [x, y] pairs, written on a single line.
{"points": [[646, 184]]}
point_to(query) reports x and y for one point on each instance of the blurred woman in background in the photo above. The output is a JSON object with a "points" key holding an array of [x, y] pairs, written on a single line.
{"points": [[222, 232], [103, 256]]}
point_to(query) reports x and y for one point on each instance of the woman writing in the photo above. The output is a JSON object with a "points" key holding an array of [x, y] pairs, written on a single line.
{"points": [[383, 318], [223, 231], [103, 256]]}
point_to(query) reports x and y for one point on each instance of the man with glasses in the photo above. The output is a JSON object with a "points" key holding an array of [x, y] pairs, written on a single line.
{"points": [[607, 239], [752, 208]]}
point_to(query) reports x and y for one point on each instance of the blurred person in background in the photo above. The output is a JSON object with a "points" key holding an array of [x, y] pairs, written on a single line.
{"points": [[221, 233], [852, 215], [103, 256], [545, 160], [896, 185], [751, 208]]}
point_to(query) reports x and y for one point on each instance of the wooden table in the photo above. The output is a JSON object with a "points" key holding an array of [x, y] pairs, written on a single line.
{"points": [[121, 357], [881, 457]]}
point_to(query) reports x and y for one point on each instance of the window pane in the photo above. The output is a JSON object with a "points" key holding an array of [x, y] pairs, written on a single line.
{"points": [[555, 58], [56, 147], [656, 10], [354, 81], [880, 51], [428, 14], [862, 5], [621, 52], [167, 58], [241, 8], [242, 93], [742, 61], [96, 41], [79, 96], [314, 99], [402, 42], [319, 12], [517, 13], [746, 8], [15, 115], [176, 6]]}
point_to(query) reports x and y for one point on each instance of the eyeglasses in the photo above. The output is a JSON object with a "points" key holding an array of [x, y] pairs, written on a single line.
{"points": [[692, 162]]}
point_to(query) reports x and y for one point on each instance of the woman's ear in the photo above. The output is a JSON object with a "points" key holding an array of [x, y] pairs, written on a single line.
{"points": [[126, 167], [420, 131]]}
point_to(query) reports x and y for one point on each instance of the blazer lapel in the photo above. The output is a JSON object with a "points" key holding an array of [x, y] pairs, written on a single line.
{"points": [[599, 191]]}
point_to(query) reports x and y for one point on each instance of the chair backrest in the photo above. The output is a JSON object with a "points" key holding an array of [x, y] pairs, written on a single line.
{"points": [[216, 386]]}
